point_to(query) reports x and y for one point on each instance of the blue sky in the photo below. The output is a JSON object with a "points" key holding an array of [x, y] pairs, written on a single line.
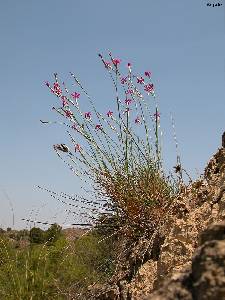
{"points": [[181, 42]]}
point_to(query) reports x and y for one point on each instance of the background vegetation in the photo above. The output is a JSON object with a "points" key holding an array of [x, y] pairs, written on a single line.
{"points": [[39, 264]]}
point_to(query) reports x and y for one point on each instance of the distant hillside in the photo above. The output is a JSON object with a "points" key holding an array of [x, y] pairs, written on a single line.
{"points": [[73, 233]]}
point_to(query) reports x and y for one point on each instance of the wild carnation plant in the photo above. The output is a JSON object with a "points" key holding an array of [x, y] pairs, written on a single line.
{"points": [[119, 150]]}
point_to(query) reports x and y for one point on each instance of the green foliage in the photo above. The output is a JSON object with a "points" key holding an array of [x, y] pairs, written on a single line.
{"points": [[37, 235], [58, 270], [22, 234], [53, 233]]}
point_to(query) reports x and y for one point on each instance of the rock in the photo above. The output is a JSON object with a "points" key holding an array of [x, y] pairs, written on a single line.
{"points": [[201, 205], [208, 271], [167, 265], [205, 279], [213, 232]]}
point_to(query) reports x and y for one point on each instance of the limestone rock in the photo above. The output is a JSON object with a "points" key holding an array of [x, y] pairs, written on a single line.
{"points": [[205, 279]]}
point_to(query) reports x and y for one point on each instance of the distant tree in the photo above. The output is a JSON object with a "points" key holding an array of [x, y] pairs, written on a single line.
{"points": [[2, 231], [37, 235], [22, 234], [9, 229], [13, 234], [53, 233]]}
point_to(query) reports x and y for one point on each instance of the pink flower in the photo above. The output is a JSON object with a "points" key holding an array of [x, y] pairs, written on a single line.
{"points": [[129, 92], [157, 115], [77, 148], [116, 61], [98, 127], [137, 120], [87, 115], [56, 89], [68, 113], [56, 85], [109, 113], [128, 101], [140, 80], [149, 88], [64, 102], [75, 95], [107, 64], [129, 67], [75, 127], [148, 74], [58, 92], [123, 80]]}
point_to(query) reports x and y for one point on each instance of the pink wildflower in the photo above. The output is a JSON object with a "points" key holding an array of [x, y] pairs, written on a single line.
{"points": [[75, 95], [56, 85], [129, 92], [129, 67], [68, 113], [128, 101], [148, 74], [157, 115], [137, 120], [75, 127], [87, 115], [98, 126], [116, 61], [123, 80], [140, 80], [109, 113], [149, 88], [107, 64], [77, 148], [56, 89], [58, 92], [64, 102]]}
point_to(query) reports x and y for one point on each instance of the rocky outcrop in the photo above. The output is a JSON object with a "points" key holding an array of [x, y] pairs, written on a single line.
{"points": [[200, 205], [167, 265], [205, 279]]}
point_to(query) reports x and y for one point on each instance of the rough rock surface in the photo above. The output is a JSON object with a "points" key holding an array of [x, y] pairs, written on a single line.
{"points": [[202, 204], [205, 279], [171, 271]]}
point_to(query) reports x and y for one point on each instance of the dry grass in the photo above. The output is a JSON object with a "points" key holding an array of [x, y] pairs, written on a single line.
{"points": [[139, 198]]}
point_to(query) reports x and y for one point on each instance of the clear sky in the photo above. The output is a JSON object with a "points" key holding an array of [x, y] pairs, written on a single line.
{"points": [[181, 42]]}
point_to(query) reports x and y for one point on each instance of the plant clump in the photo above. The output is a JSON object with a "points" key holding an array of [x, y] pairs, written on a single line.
{"points": [[119, 150]]}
